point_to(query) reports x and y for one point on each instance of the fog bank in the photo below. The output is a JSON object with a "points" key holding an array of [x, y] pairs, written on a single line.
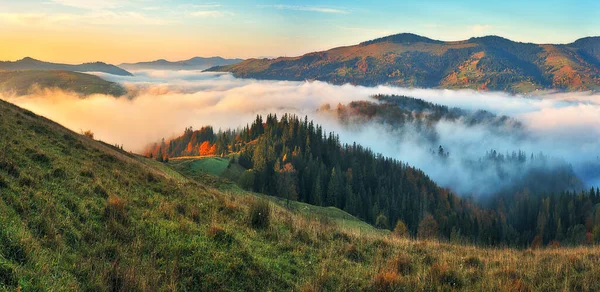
{"points": [[163, 103]]}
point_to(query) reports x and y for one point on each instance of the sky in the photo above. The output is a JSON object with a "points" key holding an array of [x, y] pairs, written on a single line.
{"points": [[117, 31]]}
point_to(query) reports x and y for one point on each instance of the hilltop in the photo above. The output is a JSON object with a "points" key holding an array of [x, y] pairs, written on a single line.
{"points": [[409, 60], [196, 63], [33, 64], [28, 81]]}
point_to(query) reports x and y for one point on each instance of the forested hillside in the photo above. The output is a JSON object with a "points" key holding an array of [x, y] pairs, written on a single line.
{"points": [[297, 160], [483, 63]]}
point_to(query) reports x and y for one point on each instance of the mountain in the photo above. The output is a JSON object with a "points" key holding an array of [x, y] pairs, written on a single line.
{"points": [[33, 64], [409, 60], [28, 81], [197, 63]]}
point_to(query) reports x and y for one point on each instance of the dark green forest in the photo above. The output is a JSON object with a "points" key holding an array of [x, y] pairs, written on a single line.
{"points": [[296, 159]]}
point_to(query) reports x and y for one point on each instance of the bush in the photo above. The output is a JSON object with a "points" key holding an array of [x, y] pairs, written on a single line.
{"points": [[260, 214], [352, 253], [115, 210], [386, 281], [381, 222], [218, 234], [87, 173], [402, 264], [26, 181], [400, 230], [10, 168], [3, 183], [88, 134], [7, 276], [428, 228], [246, 180], [474, 262], [442, 274]]}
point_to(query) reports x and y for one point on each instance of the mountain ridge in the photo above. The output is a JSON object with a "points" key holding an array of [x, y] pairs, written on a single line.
{"points": [[195, 63], [29, 63], [410, 60], [23, 82]]}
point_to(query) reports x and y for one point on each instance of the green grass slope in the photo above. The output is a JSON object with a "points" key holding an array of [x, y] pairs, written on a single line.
{"points": [[28, 81], [77, 214]]}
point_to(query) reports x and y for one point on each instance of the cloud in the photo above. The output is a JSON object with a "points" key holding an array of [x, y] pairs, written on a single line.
{"points": [[90, 4], [481, 28], [563, 125], [103, 17], [367, 30], [308, 8], [210, 13]]}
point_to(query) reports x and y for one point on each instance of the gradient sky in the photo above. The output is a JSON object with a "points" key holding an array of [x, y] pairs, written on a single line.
{"points": [[114, 31]]}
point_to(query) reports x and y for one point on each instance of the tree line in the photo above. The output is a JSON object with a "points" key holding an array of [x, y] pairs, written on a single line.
{"points": [[296, 159]]}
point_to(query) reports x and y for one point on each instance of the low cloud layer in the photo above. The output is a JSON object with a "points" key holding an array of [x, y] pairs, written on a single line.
{"points": [[564, 125]]}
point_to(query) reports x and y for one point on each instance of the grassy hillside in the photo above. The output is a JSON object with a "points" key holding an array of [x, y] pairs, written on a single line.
{"points": [[25, 82], [486, 63], [77, 214]]}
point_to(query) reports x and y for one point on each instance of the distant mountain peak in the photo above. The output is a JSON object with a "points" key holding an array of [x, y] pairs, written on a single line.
{"points": [[403, 38], [409, 60], [28, 59], [195, 63], [491, 40], [592, 40], [29, 63]]}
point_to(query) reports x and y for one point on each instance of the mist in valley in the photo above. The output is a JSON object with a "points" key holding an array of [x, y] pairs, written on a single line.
{"points": [[161, 104]]}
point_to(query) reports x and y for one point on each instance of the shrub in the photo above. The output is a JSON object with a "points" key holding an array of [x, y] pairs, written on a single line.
{"points": [[474, 262], [400, 230], [381, 222], [88, 134], [3, 183], [218, 234], [115, 210], [260, 214], [40, 158], [353, 253], [11, 249], [8, 278], [10, 168], [401, 264], [26, 181], [442, 274], [86, 173], [386, 281], [59, 173], [246, 180], [428, 228]]}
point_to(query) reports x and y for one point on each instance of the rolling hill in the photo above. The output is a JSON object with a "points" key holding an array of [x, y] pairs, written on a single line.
{"points": [[408, 60], [29, 81], [33, 64], [197, 63], [78, 214]]}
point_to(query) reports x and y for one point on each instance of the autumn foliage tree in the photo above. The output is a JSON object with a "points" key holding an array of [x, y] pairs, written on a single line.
{"points": [[207, 149], [428, 228]]}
